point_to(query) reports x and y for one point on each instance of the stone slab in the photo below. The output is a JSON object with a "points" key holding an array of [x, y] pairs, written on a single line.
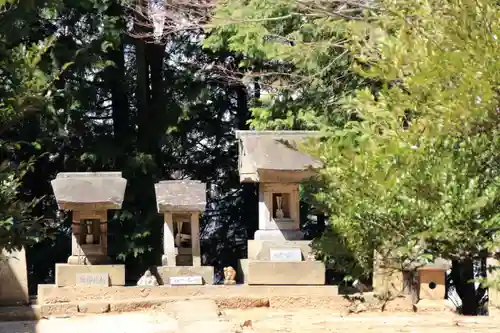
{"points": [[50, 294], [260, 249], [285, 273], [93, 307], [89, 188], [66, 274], [166, 272], [186, 280], [92, 279], [13, 278], [281, 254], [279, 235]]}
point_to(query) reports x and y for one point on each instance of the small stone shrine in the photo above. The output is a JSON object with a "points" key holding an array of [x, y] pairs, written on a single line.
{"points": [[278, 255], [89, 195], [181, 202]]}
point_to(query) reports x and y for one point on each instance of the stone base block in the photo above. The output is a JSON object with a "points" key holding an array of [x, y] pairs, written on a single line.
{"points": [[260, 249], [279, 235], [66, 274], [165, 272], [13, 278], [285, 273]]}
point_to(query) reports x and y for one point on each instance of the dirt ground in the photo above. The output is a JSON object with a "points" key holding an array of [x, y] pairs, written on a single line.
{"points": [[262, 320], [321, 321]]}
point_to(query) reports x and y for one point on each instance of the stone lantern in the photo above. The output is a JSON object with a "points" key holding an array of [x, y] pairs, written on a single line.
{"points": [[89, 196], [278, 254], [181, 202]]}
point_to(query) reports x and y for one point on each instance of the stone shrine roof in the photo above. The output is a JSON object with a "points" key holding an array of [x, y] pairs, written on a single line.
{"points": [[180, 196], [276, 153], [89, 190]]}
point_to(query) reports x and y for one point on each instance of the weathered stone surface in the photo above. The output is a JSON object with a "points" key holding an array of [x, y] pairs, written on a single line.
{"points": [[275, 152], [93, 307], [66, 274], [52, 295], [62, 309], [180, 196], [260, 249], [13, 278], [166, 272], [140, 304], [106, 189], [285, 273], [279, 235]]}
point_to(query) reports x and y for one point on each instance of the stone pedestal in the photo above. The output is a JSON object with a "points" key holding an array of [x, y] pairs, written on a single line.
{"points": [[262, 269], [66, 274], [262, 272]]}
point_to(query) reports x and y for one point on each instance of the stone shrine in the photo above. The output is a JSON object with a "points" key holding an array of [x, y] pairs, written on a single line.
{"points": [[181, 202], [278, 255], [89, 195]]}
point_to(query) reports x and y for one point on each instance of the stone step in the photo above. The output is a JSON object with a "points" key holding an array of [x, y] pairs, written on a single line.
{"points": [[20, 313]]}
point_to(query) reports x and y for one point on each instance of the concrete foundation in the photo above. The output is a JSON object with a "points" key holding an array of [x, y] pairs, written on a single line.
{"points": [[50, 294], [165, 272], [66, 273], [285, 273]]}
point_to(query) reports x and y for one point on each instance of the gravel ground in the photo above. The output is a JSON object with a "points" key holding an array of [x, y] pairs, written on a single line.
{"points": [[262, 320]]}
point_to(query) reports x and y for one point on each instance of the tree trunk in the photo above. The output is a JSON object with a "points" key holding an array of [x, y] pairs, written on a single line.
{"points": [[119, 100], [463, 274]]}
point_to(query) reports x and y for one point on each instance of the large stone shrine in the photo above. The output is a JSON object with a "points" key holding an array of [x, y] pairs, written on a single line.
{"points": [[89, 196], [181, 202], [278, 255]]}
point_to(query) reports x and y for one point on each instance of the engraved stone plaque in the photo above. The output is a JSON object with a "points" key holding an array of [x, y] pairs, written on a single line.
{"points": [[289, 254], [186, 280], [92, 279]]}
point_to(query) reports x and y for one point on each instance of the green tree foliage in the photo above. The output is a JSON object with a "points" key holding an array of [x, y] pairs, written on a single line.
{"points": [[27, 88], [413, 169], [302, 44]]}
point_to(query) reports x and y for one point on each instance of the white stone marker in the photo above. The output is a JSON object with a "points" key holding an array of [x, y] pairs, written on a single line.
{"points": [[186, 280], [285, 254], [92, 279]]}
